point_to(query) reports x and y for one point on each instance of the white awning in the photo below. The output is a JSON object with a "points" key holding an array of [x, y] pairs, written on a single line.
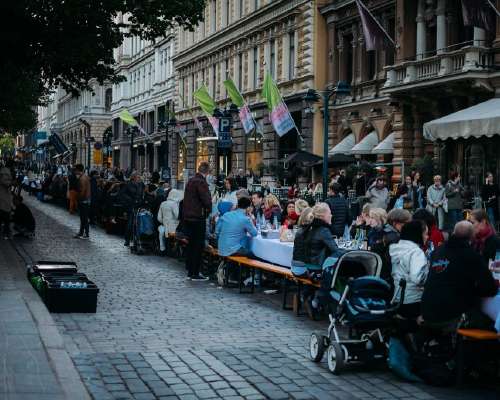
{"points": [[366, 145], [483, 119], [345, 145], [386, 146]]}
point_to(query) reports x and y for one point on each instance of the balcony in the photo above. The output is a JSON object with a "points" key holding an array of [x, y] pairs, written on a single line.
{"points": [[452, 63]]}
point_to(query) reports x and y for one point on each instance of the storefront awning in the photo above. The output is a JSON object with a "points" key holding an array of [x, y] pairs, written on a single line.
{"points": [[345, 145], [386, 146], [483, 119], [366, 145]]}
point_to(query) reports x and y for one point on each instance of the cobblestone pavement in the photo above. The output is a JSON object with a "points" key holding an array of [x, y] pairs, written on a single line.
{"points": [[156, 335]]}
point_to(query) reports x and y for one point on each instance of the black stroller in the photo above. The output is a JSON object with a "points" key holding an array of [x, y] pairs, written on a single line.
{"points": [[144, 236], [359, 300]]}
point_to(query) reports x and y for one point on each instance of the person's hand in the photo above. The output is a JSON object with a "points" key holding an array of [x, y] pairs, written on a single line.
{"points": [[359, 220]]}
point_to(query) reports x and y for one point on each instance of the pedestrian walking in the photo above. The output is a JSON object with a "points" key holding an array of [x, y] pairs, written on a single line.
{"points": [[489, 195], [5, 201], [197, 206], [436, 201], [131, 197], [84, 195], [454, 192]]}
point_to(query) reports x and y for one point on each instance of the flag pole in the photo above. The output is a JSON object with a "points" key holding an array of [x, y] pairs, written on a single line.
{"points": [[378, 23], [494, 8]]}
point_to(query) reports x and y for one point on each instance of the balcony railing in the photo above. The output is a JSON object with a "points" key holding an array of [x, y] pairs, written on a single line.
{"points": [[470, 58]]}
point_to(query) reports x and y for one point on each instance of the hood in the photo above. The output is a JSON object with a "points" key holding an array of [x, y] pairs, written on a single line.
{"points": [[402, 249], [175, 195], [224, 206]]}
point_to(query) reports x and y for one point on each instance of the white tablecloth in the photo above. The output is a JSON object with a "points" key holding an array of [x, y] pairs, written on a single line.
{"points": [[272, 250], [491, 307]]}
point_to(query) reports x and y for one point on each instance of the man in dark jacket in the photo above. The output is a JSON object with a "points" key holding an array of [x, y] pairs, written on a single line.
{"points": [[131, 197], [458, 278], [340, 210], [196, 208]]}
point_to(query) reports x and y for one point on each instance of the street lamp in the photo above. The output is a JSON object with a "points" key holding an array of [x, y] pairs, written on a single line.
{"points": [[132, 131], [88, 139], [342, 90], [171, 122]]}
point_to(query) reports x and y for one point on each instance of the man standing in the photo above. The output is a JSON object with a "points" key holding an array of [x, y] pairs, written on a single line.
{"points": [[84, 194], [339, 208], [197, 205], [378, 194], [72, 191], [131, 197]]}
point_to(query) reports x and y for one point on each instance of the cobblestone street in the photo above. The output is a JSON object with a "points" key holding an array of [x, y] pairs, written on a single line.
{"points": [[156, 335]]}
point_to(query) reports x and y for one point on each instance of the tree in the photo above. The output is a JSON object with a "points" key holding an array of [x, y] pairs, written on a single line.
{"points": [[7, 144], [52, 42]]}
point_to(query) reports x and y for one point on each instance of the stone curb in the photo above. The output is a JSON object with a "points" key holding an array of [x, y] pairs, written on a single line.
{"points": [[66, 373]]}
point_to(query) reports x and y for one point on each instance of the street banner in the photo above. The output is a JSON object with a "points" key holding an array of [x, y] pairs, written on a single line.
{"points": [[208, 105], [128, 118], [279, 115], [476, 13], [375, 35], [246, 118]]}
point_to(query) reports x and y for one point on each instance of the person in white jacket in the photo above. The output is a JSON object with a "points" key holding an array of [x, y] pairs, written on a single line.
{"points": [[409, 262], [168, 216]]}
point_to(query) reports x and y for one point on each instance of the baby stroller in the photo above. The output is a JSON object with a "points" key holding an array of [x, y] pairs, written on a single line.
{"points": [[143, 232], [359, 300]]}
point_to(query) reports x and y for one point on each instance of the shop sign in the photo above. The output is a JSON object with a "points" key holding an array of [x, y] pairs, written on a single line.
{"points": [[224, 140]]}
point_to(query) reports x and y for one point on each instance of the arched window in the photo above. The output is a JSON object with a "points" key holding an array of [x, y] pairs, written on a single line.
{"points": [[108, 99]]}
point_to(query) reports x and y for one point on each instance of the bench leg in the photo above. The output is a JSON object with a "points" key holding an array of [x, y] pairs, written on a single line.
{"points": [[285, 295], [299, 299]]}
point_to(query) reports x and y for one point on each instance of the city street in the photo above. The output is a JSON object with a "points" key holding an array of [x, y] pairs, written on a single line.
{"points": [[156, 335]]}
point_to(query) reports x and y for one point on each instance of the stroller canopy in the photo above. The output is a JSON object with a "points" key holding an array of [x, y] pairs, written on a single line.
{"points": [[357, 263]]}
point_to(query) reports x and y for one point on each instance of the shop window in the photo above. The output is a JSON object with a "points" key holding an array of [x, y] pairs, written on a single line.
{"points": [[253, 152], [202, 153], [181, 161]]}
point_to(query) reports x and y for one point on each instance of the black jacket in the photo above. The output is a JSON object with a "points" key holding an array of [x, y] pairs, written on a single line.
{"points": [[491, 246], [487, 192], [340, 214], [458, 278], [314, 243], [388, 235], [132, 194], [197, 203]]}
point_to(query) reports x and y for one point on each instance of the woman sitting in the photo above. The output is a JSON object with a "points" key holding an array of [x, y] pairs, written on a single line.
{"points": [[485, 240], [272, 209], [377, 219], [290, 217], [409, 262]]}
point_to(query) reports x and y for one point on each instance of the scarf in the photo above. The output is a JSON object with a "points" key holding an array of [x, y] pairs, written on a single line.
{"points": [[480, 237]]}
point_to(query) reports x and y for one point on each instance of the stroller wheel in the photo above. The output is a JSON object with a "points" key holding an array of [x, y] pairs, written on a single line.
{"points": [[335, 358], [317, 346]]}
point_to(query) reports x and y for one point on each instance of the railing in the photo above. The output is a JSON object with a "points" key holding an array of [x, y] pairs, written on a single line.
{"points": [[470, 58]]}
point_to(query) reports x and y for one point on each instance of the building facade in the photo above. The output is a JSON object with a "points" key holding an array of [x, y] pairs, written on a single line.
{"points": [[147, 93], [242, 40], [437, 67]]}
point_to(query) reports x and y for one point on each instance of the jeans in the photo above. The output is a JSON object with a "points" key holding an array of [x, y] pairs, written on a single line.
{"points": [[491, 215], [84, 209], [162, 238], [195, 231], [454, 216]]}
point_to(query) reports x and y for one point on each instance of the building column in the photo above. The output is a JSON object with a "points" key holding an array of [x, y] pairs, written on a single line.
{"points": [[441, 28], [479, 37], [418, 142], [403, 142], [338, 73], [421, 30]]}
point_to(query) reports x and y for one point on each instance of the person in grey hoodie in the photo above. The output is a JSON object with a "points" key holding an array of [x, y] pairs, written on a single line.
{"points": [[168, 216], [410, 263], [454, 193], [436, 200], [378, 194]]}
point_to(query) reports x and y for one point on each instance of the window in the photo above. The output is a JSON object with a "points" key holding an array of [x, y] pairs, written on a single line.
{"points": [[241, 8], [202, 153], [255, 67], [256, 4], [108, 99], [389, 50], [240, 71], [291, 55], [151, 122], [253, 152], [214, 79], [228, 12], [181, 160], [192, 88], [213, 14], [272, 57], [371, 59], [116, 128], [348, 61]]}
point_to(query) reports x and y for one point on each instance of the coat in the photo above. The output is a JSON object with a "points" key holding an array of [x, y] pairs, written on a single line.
{"points": [[168, 214], [132, 194], [197, 203], [435, 195], [455, 199], [340, 214], [314, 243], [409, 262], [5, 193], [379, 198]]}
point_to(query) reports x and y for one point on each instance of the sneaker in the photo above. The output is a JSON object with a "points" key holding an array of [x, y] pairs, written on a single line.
{"points": [[84, 237], [188, 278], [199, 278], [78, 236]]}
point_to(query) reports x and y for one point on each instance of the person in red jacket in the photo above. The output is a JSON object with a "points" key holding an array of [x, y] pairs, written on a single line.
{"points": [[196, 207], [435, 235]]}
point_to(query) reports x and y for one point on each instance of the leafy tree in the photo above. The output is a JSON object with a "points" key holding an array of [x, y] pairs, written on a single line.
{"points": [[46, 43], [7, 144]]}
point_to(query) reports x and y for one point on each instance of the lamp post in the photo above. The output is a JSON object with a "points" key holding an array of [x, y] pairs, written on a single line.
{"points": [[88, 139], [132, 131], [171, 122], [312, 96]]}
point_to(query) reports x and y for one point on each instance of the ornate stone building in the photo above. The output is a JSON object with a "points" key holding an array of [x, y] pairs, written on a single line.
{"points": [[437, 67], [242, 40]]}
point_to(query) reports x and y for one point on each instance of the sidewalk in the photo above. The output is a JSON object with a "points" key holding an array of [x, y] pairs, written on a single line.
{"points": [[33, 361]]}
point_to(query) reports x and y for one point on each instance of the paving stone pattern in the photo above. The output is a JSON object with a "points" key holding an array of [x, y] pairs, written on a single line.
{"points": [[157, 336]]}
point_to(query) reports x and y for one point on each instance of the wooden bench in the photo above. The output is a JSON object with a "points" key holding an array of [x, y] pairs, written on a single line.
{"points": [[472, 336], [283, 272]]}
